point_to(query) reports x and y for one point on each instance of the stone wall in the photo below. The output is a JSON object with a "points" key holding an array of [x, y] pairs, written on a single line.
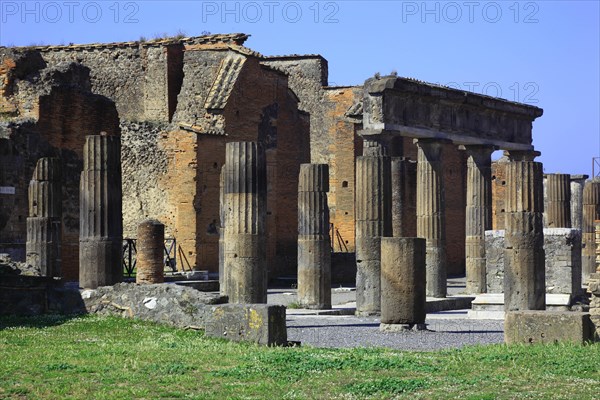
{"points": [[563, 260], [60, 110]]}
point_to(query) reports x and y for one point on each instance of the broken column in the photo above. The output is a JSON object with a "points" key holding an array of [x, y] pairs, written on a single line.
{"points": [[150, 251], [558, 210], [44, 221], [577, 183], [478, 215], [403, 281], [591, 213], [404, 199], [245, 275], [101, 218], [524, 271], [373, 220], [431, 213], [314, 244]]}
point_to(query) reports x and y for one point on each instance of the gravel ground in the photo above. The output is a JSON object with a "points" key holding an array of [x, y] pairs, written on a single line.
{"points": [[448, 329], [444, 331]]}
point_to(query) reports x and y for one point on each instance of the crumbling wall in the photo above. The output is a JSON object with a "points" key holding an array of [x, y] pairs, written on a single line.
{"points": [[60, 110]]}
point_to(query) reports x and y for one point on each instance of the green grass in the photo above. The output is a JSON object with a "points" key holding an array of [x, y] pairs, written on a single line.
{"points": [[111, 358]]}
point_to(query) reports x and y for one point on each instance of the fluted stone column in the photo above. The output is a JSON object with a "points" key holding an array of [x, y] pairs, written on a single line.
{"points": [[314, 244], [101, 218], [524, 260], [404, 197], [431, 213], [245, 240], [558, 204], [150, 246], [577, 183], [44, 221], [403, 281], [222, 213], [591, 213], [373, 220], [478, 214]]}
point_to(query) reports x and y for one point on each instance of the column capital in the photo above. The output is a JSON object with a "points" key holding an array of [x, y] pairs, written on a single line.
{"points": [[375, 146], [522, 155]]}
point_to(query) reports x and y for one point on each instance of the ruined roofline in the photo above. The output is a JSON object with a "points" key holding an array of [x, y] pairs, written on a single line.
{"points": [[336, 87], [236, 39], [405, 84], [295, 57]]}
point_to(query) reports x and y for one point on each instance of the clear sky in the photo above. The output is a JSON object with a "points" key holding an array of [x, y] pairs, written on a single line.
{"points": [[544, 53]]}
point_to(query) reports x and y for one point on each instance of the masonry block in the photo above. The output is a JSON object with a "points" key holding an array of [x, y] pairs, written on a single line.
{"points": [[537, 326], [258, 323]]}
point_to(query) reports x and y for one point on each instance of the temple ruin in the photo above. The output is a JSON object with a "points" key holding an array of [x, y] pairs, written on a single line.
{"points": [[212, 139]]}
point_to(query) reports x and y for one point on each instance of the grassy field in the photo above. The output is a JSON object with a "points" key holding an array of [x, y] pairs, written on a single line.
{"points": [[112, 358]]}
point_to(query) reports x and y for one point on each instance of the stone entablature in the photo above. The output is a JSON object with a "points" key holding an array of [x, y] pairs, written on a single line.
{"points": [[423, 110]]}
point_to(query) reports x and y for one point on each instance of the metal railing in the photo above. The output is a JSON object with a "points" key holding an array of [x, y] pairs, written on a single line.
{"points": [[129, 255]]}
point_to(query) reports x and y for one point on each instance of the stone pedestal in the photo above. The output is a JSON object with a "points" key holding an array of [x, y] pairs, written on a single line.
{"points": [[577, 183], [591, 213], [524, 273], [314, 244], [404, 197], [558, 203], [150, 246], [478, 215], [403, 281], [431, 213], [44, 221], [245, 276], [101, 218], [373, 220]]}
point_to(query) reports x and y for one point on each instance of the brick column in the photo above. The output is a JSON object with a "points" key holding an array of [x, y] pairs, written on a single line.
{"points": [[150, 248], [524, 260], [245, 240], [577, 183], [404, 197], [314, 244], [44, 221], [478, 214], [591, 213], [431, 213], [101, 218], [558, 205], [373, 220]]}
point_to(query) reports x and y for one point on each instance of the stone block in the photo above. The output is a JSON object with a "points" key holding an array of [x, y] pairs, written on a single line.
{"points": [[258, 323], [547, 327]]}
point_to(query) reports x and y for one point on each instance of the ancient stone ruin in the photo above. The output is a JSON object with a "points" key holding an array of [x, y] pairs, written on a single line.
{"points": [[260, 170]]}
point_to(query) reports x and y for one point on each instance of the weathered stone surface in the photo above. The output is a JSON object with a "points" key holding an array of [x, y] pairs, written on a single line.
{"points": [[403, 280], [258, 323], [245, 246], [164, 303], [431, 213], [44, 221], [524, 262], [524, 272], [558, 201], [404, 197], [373, 208], [577, 183], [101, 221], [314, 243], [478, 215], [547, 327], [591, 213], [594, 290], [562, 249], [150, 248]]}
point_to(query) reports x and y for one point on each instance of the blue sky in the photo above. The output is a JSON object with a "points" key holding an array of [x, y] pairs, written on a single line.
{"points": [[544, 53]]}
